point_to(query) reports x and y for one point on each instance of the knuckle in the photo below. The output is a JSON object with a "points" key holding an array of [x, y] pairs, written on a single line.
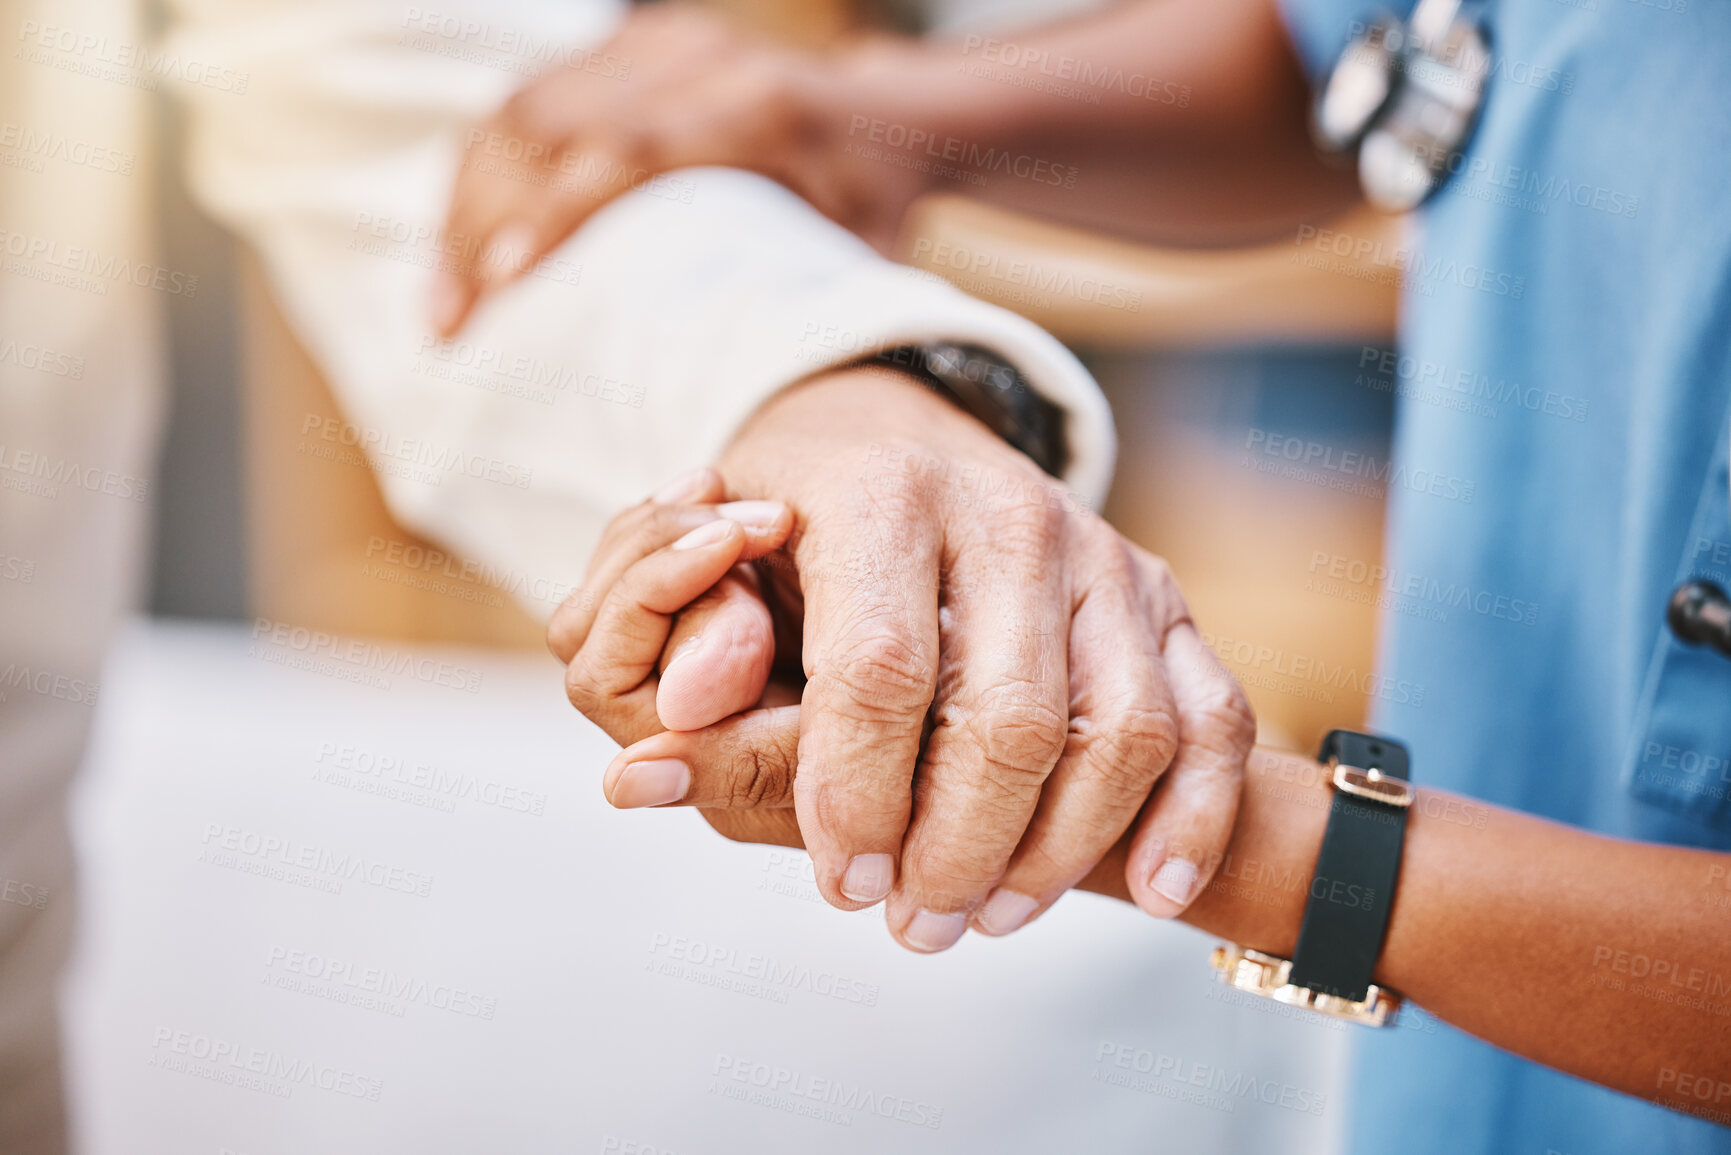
{"points": [[1122, 759], [628, 630], [1152, 574], [1157, 570], [1145, 564], [951, 876], [1119, 577], [1220, 720], [562, 640], [1168, 595], [755, 776], [883, 670], [569, 625], [891, 495], [581, 689], [992, 796], [852, 810], [1028, 528], [1019, 731], [1134, 744], [1114, 561]]}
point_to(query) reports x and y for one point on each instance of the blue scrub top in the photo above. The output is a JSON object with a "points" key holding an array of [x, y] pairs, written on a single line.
{"points": [[1563, 420]]}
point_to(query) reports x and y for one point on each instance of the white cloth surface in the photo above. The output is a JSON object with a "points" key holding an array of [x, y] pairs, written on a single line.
{"points": [[80, 406], [627, 965], [632, 355]]}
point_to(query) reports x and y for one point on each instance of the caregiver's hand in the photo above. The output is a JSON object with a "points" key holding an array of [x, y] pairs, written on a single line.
{"points": [[995, 679], [674, 87]]}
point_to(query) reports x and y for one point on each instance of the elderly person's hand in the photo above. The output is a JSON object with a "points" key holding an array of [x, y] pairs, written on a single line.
{"points": [[996, 683], [677, 87]]}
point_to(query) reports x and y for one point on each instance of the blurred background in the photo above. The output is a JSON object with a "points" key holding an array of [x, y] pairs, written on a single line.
{"points": [[534, 974], [1200, 348]]}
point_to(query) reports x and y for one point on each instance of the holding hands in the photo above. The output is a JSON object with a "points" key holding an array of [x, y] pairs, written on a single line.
{"points": [[919, 657]]}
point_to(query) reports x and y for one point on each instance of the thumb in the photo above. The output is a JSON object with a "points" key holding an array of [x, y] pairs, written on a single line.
{"points": [[718, 656], [746, 762]]}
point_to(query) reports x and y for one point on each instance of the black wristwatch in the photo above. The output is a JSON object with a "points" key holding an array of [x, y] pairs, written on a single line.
{"points": [[1351, 892], [991, 389]]}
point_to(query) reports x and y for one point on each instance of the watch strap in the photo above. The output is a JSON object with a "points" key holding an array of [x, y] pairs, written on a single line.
{"points": [[989, 388], [1352, 891]]}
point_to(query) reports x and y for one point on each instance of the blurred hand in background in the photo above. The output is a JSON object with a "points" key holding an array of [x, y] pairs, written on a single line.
{"points": [[676, 87], [863, 129]]}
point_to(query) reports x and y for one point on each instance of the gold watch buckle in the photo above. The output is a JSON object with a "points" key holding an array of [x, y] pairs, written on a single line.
{"points": [[1371, 784], [1269, 976]]}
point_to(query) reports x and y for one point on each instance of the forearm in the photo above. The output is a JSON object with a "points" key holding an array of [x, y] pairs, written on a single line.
{"points": [[1603, 958], [1199, 135]]}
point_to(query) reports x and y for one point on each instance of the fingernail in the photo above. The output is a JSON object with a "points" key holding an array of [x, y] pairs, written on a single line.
{"points": [[1175, 880], [1005, 910], [653, 783], [929, 931], [685, 487], [869, 877], [511, 244], [755, 514], [446, 301], [708, 533]]}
